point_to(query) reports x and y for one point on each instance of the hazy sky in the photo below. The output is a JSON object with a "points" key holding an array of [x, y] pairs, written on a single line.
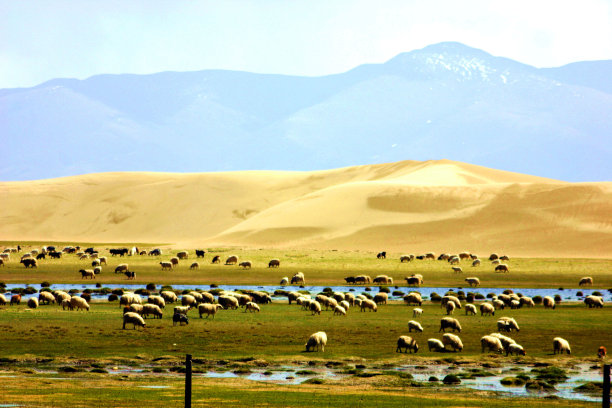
{"points": [[44, 39]]}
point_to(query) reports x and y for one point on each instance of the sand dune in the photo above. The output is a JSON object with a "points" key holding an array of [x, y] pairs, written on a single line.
{"points": [[408, 206]]}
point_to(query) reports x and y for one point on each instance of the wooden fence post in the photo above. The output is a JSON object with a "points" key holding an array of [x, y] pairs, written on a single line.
{"points": [[188, 381], [605, 400]]}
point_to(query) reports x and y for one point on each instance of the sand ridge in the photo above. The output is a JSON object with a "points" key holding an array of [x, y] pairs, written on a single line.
{"points": [[405, 206]]}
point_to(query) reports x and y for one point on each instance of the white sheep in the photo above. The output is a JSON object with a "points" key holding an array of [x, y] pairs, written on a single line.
{"points": [[381, 298], [298, 279], [408, 343], [587, 280], [492, 344], [449, 323], [32, 303], [549, 302], [3, 300], [316, 341], [505, 340], [128, 298], [476, 262], [457, 269], [414, 325], [157, 300], [151, 309], [368, 304], [452, 340], [435, 345], [473, 281], [339, 310], [450, 308], [413, 298], [417, 312], [79, 303], [450, 298], [561, 345], [208, 309], [284, 281], [133, 318], [189, 300], [315, 307], [169, 296], [507, 324], [46, 297], [166, 265], [350, 298], [515, 349], [527, 301], [134, 307], [498, 304], [345, 304], [252, 307], [594, 301], [182, 310], [471, 309], [229, 302]]}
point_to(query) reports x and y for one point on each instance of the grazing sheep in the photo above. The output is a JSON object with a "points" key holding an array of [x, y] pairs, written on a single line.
{"points": [[381, 255], [515, 349], [413, 281], [414, 325], [586, 281], [515, 304], [231, 260], [345, 304], [413, 298], [200, 253], [526, 301], [408, 343], [189, 300], [476, 262], [495, 262], [405, 258], [471, 309], [208, 309], [174, 261], [181, 309], [95, 262], [548, 302], [493, 257], [298, 279], [129, 298], [97, 270], [216, 259], [492, 344], [207, 297], [473, 281], [166, 265], [499, 304], [464, 255], [2, 300], [87, 273], [182, 255], [454, 260], [435, 345], [293, 296], [417, 311], [245, 264], [381, 298], [368, 304], [274, 263], [45, 297], [32, 303], [179, 318], [457, 269], [29, 263], [349, 279], [131, 275], [121, 268], [449, 323], [316, 341], [339, 310], [194, 265], [150, 308], [157, 300], [594, 301], [504, 258], [450, 298], [60, 295], [502, 268], [65, 303], [251, 307], [561, 345], [169, 296], [284, 281], [15, 299], [315, 307], [339, 296], [350, 298], [133, 318], [383, 280], [453, 341], [450, 308], [505, 340], [229, 302], [507, 324], [362, 280], [79, 303], [103, 260]]}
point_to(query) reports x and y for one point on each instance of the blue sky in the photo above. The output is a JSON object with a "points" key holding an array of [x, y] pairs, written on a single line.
{"points": [[41, 40]]}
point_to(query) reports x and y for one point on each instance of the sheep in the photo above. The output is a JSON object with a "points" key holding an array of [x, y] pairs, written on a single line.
{"points": [[252, 307], [330, 303], [413, 298], [405, 258], [315, 307], [150, 308], [368, 304], [383, 280], [85, 273], [298, 279], [417, 311], [548, 302], [472, 281], [362, 279], [27, 256], [345, 304], [381, 298], [97, 270], [471, 309], [498, 304], [216, 259], [231, 260], [134, 307], [284, 281], [435, 345], [131, 275], [293, 296], [505, 340], [464, 255], [121, 268], [408, 343], [449, 323], [561, 345], [189, 300], [274, 263], [339, 310], [515, 349], [476, 262], [32, 303], [133, 318], [350, 298], [197, 295], [179, 318], [515, 304], [453, 341], [65, 303], [450, 298], [194, 265], [245, 264], [174, 261], [29, 263], [2, 300], [128, 298], [46, 297], [166, 266], [208, 309], [229, 302], [507, 324], [454, 261], [414, 280], [504, 258], [382, 255], [304, 302], [586, 281], [103, 260], [182, 255], [493, 257], [414, 325], [457, 269], [502, 268], [95, 262], [526, 301], [157, 300], [181, 309], [450, 308], [594, 301], [79, 303], [169, 296], [492, 344], [316, 341], [60, 295], [207, 297], [495, 262], [15, 299]]}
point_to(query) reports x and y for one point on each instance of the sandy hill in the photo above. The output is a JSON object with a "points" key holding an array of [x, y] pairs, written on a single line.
{"points": [[408, 206]]}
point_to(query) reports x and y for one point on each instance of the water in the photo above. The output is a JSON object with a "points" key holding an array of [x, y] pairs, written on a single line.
{"points": [[566, 294]]}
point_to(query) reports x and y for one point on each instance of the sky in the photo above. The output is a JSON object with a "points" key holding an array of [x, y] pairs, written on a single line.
{"points": [[46, 39]]}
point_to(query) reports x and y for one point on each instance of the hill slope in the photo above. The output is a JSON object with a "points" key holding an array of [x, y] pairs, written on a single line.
{"points": [[405, 206]]}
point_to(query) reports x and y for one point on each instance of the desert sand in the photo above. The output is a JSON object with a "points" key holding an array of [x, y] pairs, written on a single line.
{"points": [[411, 207]]}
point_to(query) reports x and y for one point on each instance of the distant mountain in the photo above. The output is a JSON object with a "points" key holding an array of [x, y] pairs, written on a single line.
{"points": [[444, 101]]}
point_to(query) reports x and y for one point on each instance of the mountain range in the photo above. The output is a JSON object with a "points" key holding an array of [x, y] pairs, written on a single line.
{"points": [[446, 101]]}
